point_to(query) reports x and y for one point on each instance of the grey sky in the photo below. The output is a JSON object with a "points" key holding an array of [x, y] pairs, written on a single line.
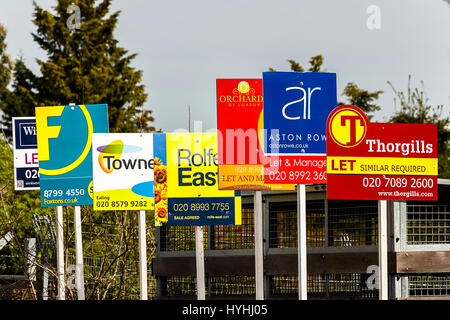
{"points": [[184, 46]]}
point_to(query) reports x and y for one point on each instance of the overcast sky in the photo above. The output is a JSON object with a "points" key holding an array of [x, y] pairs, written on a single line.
{"points": [[183, 46]]}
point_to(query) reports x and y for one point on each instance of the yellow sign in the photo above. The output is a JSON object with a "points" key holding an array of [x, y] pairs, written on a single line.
{"points": [[186, 182]]}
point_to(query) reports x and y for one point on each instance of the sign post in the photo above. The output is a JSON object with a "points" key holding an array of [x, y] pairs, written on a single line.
{"points": [[380, 161], [383, 249], [123, 166], [301, 238], [241, 154], [186, 192], [259, 247], [79, 253], [64, 141], [143, 256], [60, 254], [200, 263], [199, 248], [296, 107]]}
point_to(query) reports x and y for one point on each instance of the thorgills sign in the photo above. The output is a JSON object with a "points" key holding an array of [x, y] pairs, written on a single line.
{"points": [[379, 161]]}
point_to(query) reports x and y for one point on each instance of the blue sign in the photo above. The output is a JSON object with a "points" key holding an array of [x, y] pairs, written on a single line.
{"points": [[296, 108], [26, 165], [213, 211], [64, 139], [24, 133]]}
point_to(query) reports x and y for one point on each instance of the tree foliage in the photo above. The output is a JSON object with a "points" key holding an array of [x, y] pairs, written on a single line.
{"points": [[361, 98], [83, 66], [6, 66], [414, 107]]}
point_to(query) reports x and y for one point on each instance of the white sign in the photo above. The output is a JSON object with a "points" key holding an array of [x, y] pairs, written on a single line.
{"points": [[123, 171]]}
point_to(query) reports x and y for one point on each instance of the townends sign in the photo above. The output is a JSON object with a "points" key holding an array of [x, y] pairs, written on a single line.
{"points": [[379, 161], [123, 171]]}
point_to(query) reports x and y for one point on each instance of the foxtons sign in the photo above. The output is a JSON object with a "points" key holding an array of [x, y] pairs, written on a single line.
{"points": [[380, 161], [64, 141]]}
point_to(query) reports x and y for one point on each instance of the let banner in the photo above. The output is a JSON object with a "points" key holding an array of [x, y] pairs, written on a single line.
{"points": [[296, 107], [186, 182], [380, 161], [64, 142], [26, 164], [123, 171], [240, 133]]}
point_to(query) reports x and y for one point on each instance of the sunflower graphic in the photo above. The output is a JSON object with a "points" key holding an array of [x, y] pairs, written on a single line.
{"points": [[161, 211], [160, 174], [161, 214], [160, 192]]}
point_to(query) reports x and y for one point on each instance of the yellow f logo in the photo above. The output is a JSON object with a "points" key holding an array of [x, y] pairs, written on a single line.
{"points": [[46, 132]]}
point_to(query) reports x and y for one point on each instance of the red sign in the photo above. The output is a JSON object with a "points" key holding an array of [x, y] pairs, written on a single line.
{"points": [[380, 161], [292, 169], [239, 126]]}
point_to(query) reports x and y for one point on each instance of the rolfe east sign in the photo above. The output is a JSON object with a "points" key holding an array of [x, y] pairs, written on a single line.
{"points": [[379, 161]]}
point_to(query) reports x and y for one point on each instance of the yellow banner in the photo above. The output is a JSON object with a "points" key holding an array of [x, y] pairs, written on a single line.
{"points": [[383, 165]]}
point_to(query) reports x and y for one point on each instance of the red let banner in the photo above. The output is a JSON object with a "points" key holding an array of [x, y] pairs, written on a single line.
{"points": [[379, 161]]}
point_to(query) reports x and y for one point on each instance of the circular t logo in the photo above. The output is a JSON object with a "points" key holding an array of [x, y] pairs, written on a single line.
{"points": [[347, 126]]}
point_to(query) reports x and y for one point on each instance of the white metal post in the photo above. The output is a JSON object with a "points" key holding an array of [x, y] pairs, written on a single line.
{"points": [[45, 284], [142, 256], [259, 262], [30, 253], [199, 249], [301, 236], [200, 262], [382, 250], [60, 253], [79, 270]]}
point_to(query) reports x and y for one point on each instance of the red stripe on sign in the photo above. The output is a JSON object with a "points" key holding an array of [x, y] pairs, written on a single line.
{"points": [[295, 169]]}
